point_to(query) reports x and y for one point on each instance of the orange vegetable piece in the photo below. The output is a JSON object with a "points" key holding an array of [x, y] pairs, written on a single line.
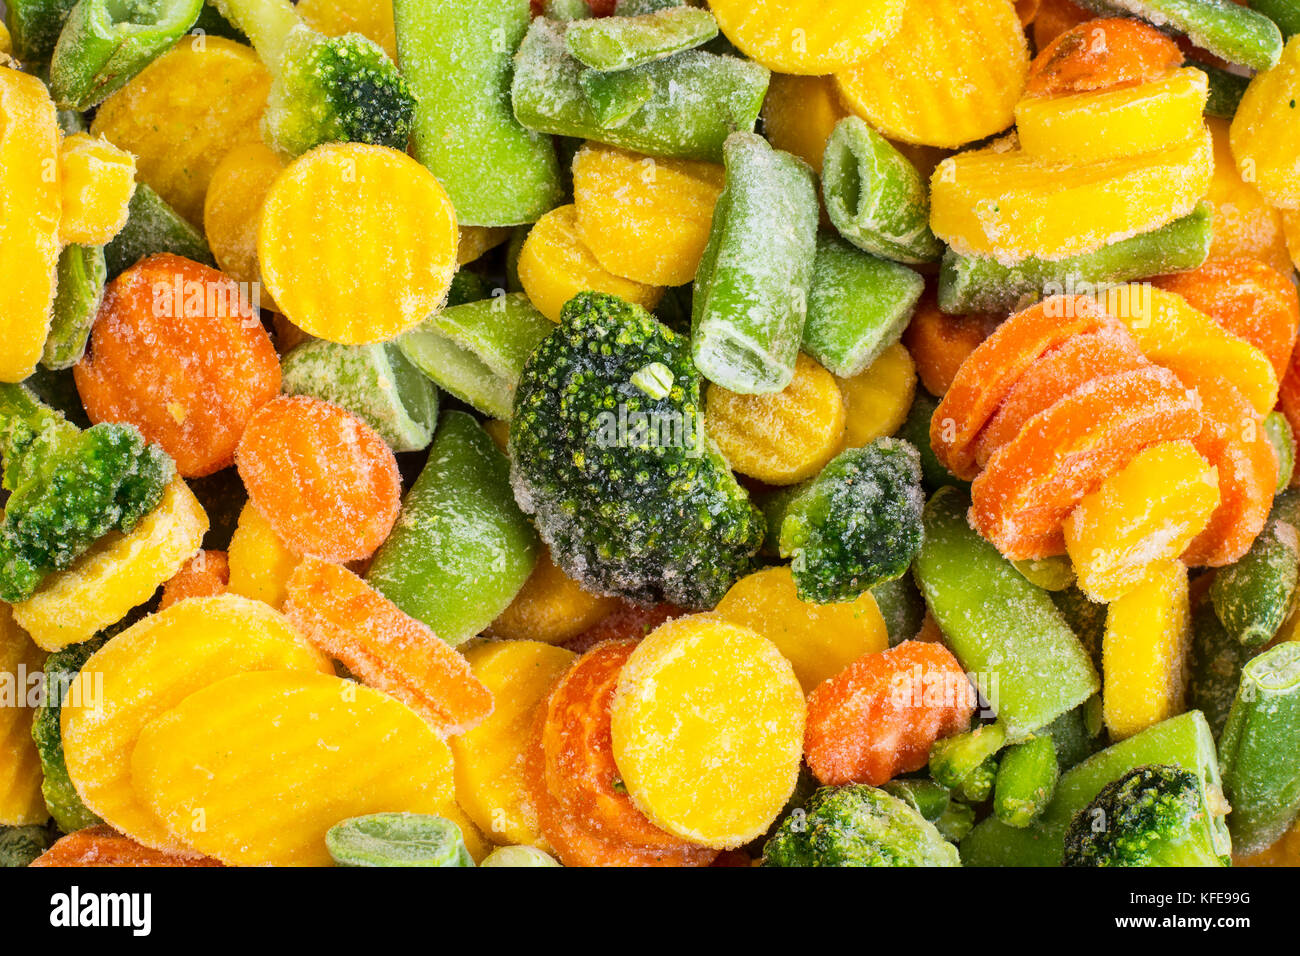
{"points": [[1101, 55], [1054, 18], [630, 622], [939, 342], [324, 480], [352, 622], [1289, 393], [1033, 482], [879, 716], [103, 846], [205, 575], [178, 351]]}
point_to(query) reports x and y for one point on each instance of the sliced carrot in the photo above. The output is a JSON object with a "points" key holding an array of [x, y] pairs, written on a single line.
{"points": [[104, 846], [1054, 18], [939, 342], [205, 575], [1101, 55]]}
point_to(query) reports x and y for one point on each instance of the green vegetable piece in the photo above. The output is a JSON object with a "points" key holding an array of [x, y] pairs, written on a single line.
{"points": [[916, 429], [1086, 618], [456, 56], [751, 290], [461, 549], [926, 797], [857, 825], [1229, 31], [58, 389], [375, 382], [82, 273], [902, 607], [616, 97], [152, 226], [627, 490], [397, 839], [520, 855], [1285, 13], [1258, 752], [981, 284], [954, 759], [1027, 775], [467, 286], [34, 28], [858, 306], [566, 10], [1215, 667], [699, 98], [620, 43], [106, 42], [478, 350], [1025, 660], [213, 24], [875, 197], [71, 122], [1282, 438], [1182, 741], [1055, 573], [635, 8], [61, 681], [978, 785], [956, 821], [1226, 90], [1252, 596], [20, 845], [1075, 736]]}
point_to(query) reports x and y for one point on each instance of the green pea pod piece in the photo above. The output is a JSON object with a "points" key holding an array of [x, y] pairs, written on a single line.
{"points": [[1215, 667], [1258, 750], [519, 855], [105, 43], [1282, 438], [916, 429], [20, 845], [982, 284], [1007, 633], [81, 277], [1253, 595], [956, 821], [699, 98], [61, 681], [1027, 775], [616, 97], [953, 759], [397, 839], [1086, 618], [926, 797], [375, 382], [978, 785], [1184, 741], [153, 226], [902, 607], [461, 548], [477, 351], [858, 306], [1226, 90], [1229, 31], [751, 290], [1285, 13], [875, 197], [34, 28], [620, 43]]}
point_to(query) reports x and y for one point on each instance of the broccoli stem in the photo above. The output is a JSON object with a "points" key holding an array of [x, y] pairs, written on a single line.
{"points": [[266, 23]]}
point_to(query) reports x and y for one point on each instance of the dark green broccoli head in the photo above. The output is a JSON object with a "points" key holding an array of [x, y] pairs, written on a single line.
{"points": [[608, 450], [857, 825], [337, 89], [1151, 816], [856, 524], [67, 488]]}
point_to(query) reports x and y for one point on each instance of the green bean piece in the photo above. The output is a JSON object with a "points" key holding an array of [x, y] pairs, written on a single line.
{"points": [[34, 28], [1214, 671], [1285, 13], [397, 839], [1075, 736], [926, 797], [956, 822], [566, 10], [1226, 90], [1027, 775], [1252, 596], [1282, 438], [978, 785], [902, 607], [1055, 573], [916, 429], [953, 759], [61, 681], [620, 43], [81, 277], [153, 226], [616, 97], [1229, 31]]}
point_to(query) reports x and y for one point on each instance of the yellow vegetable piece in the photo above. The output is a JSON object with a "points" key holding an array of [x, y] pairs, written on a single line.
{"points": [[1051, 574], [1144, 652], [1145, 514], [499, 432], [707, 725], [29, 220], [491, 759], [317, 247], [373, 19], [1006, 204], [150, 668], [260, 563], [551, 607], [799, 113], [1111, 124], [232, 210], [952, 74], [808, 36], [1244, 224], [476, 843], [6, 46], [879, 398], [184, 112], [819, 640], [780, 437], [1266, 131], [1291, 228], [643, 218], [555, 265], [476, 240], [97, 181], [254, 769], [21, 802], [118, 573]]}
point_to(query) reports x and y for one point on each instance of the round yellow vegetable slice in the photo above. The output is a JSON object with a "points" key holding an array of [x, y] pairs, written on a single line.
{"points": [[808, 36], [232, 209], [551, 607], [799, 114], [1266, 131], [321, 260], [879, 398], [707, 726]]}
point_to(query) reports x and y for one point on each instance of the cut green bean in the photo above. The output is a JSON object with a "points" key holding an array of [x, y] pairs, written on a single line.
{"points": [[1282, 438], [1027, 775], [1086, 618], [978, 785], [1253, 595], [1215, 667], [953, 759], [916, 429], [397, 839], [153, 226], [81, 277], [926, 797], [1226, 90], [902, 607], [1075, 735], [61, 682], [34, 28], [620, 43], [1228, 30], [616, 97], [520, 855], [956, 822], [1285, 13]]}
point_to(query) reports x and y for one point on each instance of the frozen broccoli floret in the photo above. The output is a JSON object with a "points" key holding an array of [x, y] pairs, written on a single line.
{"points": [[67, 488], [1151, 816], [608, 450], [857, 825]]}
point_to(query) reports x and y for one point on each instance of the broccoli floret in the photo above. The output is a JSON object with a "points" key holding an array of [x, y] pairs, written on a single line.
{"points": [[855, 525], [857, 825], [608, 450], [67, 488], [325, 89], [1151, 816]]}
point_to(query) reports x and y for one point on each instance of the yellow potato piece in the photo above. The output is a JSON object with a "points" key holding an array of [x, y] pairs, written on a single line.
{"points": [[184, 112], [952, 74], [643, 218], [1244, 224], [551, 607], [879, 398], [707, 726], [150, 668], [120, 572], [260, 563], [317, 245], [373, 19], [232, 209], [1266, 131], [808, 36], [21, 802], [819, 640], [491, 759], [1145, 514], [254, 769], [555, 265], [1144, 652], [1006, 204], [29, 220], [97, 181]]}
